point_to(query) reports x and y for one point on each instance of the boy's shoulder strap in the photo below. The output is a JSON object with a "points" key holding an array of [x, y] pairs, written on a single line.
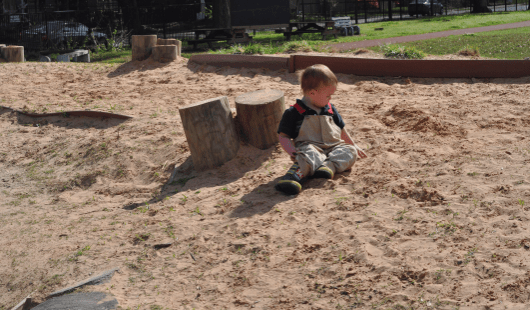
{"points": [[299, 108], [330, 109]]}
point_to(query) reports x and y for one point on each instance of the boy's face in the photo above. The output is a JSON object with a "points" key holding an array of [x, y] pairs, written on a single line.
{"points": [[320, 97]]}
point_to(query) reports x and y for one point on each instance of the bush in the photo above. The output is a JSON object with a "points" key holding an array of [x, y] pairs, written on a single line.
{"points": [[403, 52], [297, 46], [253, 49], [469, 51]]}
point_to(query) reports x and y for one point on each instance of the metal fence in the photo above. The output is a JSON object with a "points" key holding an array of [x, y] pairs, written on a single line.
{"points": [[52, 29], [60, 27], [367, 11]]}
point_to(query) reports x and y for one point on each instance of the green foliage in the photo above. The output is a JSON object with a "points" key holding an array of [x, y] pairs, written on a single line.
{"points": [[404, 52], [253, 49]]}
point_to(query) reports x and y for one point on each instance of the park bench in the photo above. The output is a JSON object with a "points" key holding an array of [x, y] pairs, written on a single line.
{"points": [[76, 56], [345, 26], [311, 27]]}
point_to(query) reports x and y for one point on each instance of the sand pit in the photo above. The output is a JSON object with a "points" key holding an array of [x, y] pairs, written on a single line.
{"points": [[435, 218]]}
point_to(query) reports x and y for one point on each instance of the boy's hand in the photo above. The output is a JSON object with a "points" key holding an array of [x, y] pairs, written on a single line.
{"points": [[360, 152], [346, 137]]}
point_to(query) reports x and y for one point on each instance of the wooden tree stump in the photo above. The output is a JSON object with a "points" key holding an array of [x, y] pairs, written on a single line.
{"points": [[171, 42], [142, 46], [258, 115], [164, 53], [210, 131], [13, 53], [1, 51]]}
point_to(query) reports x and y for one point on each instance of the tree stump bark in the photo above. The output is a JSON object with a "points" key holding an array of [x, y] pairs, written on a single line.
{"points": [[142, 46], [171, 42], [258, 115], [13, 53], [1, 51], [210, 131], [164, 53]]}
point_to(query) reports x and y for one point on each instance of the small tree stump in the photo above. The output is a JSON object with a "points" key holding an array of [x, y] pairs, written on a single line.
{"points": [[164, 53], [142, 46], [210, 131], [171, 42], [258, 115], [1, 51], [13, 53]]}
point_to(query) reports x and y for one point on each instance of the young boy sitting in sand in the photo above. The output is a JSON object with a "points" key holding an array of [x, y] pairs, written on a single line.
{"points": [[312, 133]]}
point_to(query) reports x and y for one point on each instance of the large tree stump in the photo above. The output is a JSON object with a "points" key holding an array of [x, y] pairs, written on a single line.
{"points": [[142, 46], [13, 53], [2, 52], [165, 53], [171, 42], [258, 115], [210, 131]]}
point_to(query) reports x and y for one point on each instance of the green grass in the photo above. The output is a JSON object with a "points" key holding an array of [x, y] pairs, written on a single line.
{"points": [[112, 57], [502, 44], [506, 44]]}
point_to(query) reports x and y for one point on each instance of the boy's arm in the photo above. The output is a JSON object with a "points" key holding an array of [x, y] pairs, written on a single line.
{"points": [[287, 144], [346, 137]]}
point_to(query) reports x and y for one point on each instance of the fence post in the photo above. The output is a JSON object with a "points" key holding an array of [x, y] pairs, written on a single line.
{"points": [[390, 9], [356, 13], [494, 2], [365, 13], [47, 43], [505, 5]]}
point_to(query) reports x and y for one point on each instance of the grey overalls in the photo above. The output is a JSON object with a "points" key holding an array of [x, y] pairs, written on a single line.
{"points": [[319, 143]]}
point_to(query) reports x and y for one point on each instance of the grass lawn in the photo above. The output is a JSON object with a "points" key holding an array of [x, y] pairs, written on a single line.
{"points": [[502, 44], [506, 44]]}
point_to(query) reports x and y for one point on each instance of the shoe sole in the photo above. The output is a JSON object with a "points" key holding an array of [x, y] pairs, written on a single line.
{"points": [[323, 173], [289, 187]]}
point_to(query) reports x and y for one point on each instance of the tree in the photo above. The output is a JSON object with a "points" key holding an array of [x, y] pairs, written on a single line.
{"points": [[221, 14], [480, 6]]}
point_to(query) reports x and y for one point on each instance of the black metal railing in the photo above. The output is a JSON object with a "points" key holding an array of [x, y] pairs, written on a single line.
{"points": [[60, 25]]}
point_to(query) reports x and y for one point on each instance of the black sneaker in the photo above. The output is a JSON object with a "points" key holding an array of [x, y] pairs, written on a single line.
{"points": [[324, 173], [290, 183]]}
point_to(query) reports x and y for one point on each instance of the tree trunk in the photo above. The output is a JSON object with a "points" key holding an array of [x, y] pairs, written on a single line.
{"points": [[221, 14], [170, 42], [165, 53], [13, 53], [142, 46], [480, 6], [210, 131], [258, 115]]}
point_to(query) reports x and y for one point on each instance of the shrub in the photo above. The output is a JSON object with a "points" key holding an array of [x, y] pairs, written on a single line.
{"points": [[404, 52], [469, 51], [297, 46], [253, 49]]}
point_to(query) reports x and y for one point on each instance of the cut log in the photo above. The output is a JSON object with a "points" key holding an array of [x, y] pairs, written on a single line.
{"points": [[171, 42], [258, 115], [164, 53], [210, 131], [2, 52], [142, 46], [13, 53]]}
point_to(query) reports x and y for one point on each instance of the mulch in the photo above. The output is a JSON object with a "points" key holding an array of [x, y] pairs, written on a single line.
{"points": [[425, 36]]}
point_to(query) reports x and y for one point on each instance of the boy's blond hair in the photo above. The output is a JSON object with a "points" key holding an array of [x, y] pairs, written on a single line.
{"points": [[315, 76]]}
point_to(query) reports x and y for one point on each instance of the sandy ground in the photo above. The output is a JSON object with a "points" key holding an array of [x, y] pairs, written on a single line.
{"points": [[435, 218]]}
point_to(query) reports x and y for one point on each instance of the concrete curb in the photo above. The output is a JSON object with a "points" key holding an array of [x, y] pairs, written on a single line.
{"points": [[377, 67], [95, 280]]}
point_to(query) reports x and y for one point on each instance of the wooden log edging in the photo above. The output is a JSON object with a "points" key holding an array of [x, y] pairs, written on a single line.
{"points": [[417, 68], [242, 61], [70, 113], [377, 67]]}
